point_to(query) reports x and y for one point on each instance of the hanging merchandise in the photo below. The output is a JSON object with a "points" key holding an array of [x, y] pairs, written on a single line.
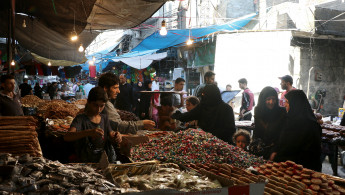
{"points": [[92, 71], [140, 73]]}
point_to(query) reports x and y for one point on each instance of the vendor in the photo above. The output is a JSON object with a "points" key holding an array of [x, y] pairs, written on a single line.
{"points": [[92, 130], [213, 115], [110, 83], [300, 139], [269, 120], [9, 100]]}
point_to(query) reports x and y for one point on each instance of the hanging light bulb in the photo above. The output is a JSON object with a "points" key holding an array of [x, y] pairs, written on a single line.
{"points": [[189, 42], [13, 63], [74, 37], [24, 24], [49, 63], [94, 58], [170, 71], [91, 62], [81, 48], [163, 30]]}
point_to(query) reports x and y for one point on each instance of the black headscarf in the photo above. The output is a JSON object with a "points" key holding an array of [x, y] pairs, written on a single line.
{"points": [[211, 96], [261, 110], [213, 115], [300, 109], [300, 140], [146, 85]]}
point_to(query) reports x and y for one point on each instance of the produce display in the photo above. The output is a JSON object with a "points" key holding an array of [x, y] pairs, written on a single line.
{"points": [[334, 134], [227, 175], [194, 146], [31, 101], [81, 102], [59, 126], [18, 135], [27, 174], [161, 176], [127, 116], [58, 109], [291, 178]]}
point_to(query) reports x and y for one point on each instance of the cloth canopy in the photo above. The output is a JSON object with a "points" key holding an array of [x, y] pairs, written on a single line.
{"points": [[176, 37], [141, 62]]}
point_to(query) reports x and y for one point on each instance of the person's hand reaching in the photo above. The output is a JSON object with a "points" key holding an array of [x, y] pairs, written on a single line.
{"points": [[149, 124]]}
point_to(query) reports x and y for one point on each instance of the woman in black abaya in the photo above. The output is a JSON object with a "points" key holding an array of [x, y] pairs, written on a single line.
{"points": [[269, 121], [213, 115], [300, 140]]}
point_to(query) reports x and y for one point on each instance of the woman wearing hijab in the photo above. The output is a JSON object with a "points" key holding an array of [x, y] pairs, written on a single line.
{"points": [[213, 115], [269, 120], [300, 140]]}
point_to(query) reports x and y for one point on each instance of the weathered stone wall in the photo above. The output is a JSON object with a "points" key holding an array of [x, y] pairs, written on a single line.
{"points": [[328, 58]]}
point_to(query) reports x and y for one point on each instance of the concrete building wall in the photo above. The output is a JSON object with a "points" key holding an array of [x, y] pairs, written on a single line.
{"points": [[239, 8], [328, 58]]}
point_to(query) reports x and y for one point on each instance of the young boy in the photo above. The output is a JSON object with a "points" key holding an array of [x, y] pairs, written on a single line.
{"points": [[92, 132], [242, 139], [191, 103], [165, 110]]}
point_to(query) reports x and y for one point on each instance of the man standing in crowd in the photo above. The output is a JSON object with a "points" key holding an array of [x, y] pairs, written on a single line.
{"points": [[25, 88], [286, 84], [247, 101], [9, 100], [110, 83], [155, 84], [209, 78], [125, 97], [53, 90], [177, 98]]}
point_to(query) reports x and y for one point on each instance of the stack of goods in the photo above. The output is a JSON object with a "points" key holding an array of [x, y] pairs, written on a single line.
{"points": [[291, 178], [158, 177], [27, 174], [127, 116], [18, 135], [59, 126], [81, 102], [58, 109], [31, 101], [244, 124], [226, 174], [333, 133], [194, 146]]}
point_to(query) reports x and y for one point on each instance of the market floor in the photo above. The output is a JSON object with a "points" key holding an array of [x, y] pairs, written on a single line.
{"points": [[326, 168]]}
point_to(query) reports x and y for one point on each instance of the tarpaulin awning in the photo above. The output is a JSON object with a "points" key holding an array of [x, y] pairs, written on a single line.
{"points": [[61, 19], [176, 37], [141, 62]]}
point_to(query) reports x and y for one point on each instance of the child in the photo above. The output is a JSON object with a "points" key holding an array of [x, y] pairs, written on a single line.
{"points": [[242, 139], [166, 123], [92, 132], [191, 103]]}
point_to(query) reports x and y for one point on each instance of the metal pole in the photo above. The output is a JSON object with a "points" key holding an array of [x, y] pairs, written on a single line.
{"points": [[309, 81]]}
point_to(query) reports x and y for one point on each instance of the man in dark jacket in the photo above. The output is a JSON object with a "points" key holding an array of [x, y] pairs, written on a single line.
{"points": [[25, 88], [124, 99]]}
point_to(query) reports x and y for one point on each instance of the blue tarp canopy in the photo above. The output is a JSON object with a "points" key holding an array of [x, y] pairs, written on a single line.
{"points": [[176, 37], [156, 42]]}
